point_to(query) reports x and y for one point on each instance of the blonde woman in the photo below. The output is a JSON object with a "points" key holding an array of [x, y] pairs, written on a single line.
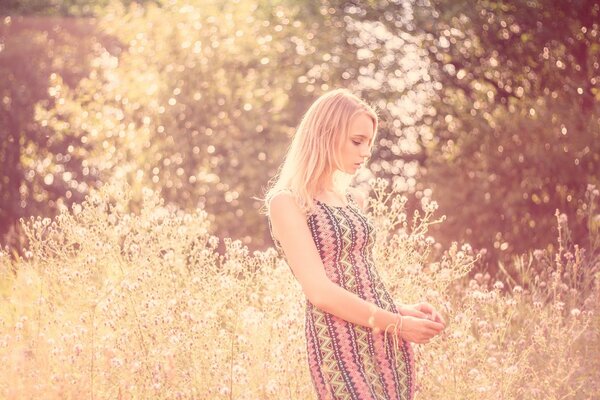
{"points": [[357, 339]]}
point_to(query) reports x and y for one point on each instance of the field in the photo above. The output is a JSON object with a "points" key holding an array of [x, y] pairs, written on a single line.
{"points": [[110, 304]]}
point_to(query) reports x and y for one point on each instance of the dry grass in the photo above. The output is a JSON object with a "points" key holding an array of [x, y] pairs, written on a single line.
{"points": [[111, 304]]}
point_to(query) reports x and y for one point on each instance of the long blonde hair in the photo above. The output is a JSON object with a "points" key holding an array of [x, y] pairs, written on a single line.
{"points": [[314, 152]]}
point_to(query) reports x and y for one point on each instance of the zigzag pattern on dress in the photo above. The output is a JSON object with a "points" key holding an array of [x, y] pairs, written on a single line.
{"points": [[349, 361]]}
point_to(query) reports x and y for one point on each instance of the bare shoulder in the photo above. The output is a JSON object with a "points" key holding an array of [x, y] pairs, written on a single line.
{"points": [[282, 203], [285, 213], [359, 197]]}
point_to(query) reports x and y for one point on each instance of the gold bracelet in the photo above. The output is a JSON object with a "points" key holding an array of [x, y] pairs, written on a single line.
{"points": [[399, 316]]}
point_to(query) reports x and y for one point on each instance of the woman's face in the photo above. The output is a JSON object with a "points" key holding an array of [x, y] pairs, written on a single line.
{"points": [[356, 149]]}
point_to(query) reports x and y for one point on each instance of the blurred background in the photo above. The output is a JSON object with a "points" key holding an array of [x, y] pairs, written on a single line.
{"points": [[490, 108]]}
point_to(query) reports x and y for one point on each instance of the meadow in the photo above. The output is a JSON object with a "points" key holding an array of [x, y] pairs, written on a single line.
{"points": [[137, 137], [109, 304]]}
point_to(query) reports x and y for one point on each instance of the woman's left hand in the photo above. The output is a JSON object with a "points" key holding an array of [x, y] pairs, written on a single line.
{"points": [[428, 309]]}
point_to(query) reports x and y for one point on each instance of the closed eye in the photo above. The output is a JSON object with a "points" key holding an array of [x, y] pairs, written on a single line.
{"points": [[355, 142]]}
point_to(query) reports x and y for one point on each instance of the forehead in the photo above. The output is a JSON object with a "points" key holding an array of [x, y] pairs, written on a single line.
{"points": [[361, 124]]}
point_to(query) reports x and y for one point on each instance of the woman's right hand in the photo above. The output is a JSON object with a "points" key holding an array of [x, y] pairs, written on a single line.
{"points": [[419, 330]]}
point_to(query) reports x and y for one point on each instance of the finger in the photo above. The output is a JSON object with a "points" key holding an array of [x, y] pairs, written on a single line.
{"points": [[441, 319], [438, 317], [430, 333], [433, 325]]}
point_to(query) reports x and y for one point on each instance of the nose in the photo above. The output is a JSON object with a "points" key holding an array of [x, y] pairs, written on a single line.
{"points": [[365, 151]]}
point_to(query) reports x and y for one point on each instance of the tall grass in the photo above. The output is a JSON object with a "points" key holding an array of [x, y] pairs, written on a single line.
{"points": [[113, 304]]}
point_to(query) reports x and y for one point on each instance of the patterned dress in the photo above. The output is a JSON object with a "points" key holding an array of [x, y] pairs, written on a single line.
{"points": [[346, 360]]}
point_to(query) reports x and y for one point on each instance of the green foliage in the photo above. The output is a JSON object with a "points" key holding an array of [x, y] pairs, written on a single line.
{"points": [[202, 100], [65, 8], [515, 123], [492, 105], [41, 168]]}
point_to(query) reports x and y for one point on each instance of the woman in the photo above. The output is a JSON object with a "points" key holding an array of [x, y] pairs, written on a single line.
{"points": [[357, 339]]}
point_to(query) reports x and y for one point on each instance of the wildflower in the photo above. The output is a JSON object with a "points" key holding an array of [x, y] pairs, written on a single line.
{"points": [[575, 312], [479, 295], [76, 209], [116, 362], [224, 390], [538, 254], [562, 218], [559, 305], [271, 387], [517, 289], [136, 366], [430, 206], [498, 285], [511, 370], [474, 372]]}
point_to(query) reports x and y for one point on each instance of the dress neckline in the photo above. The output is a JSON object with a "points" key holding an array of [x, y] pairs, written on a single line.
{"points": [[331, 206]]}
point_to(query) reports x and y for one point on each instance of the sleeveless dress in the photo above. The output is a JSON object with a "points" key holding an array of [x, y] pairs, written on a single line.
{"points": [[346, 360]]}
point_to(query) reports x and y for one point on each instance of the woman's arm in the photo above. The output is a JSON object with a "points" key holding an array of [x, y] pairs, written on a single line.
{"points": [[290, 228]]}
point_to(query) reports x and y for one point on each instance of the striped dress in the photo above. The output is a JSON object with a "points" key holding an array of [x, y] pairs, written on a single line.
{"points": [[349, 361]]}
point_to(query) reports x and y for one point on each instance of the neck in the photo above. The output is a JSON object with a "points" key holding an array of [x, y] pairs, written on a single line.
{"points": [[326, 184]]}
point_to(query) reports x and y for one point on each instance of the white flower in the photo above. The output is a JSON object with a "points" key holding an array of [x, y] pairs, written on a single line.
{"points": [[562, 218], [575, 312], [116, 362], [517, 289], [511, 370], [498, 285], [224, 390]]}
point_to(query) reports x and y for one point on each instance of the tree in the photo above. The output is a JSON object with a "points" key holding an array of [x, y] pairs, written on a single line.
{"points": [[40, 168], [513, 129]]}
